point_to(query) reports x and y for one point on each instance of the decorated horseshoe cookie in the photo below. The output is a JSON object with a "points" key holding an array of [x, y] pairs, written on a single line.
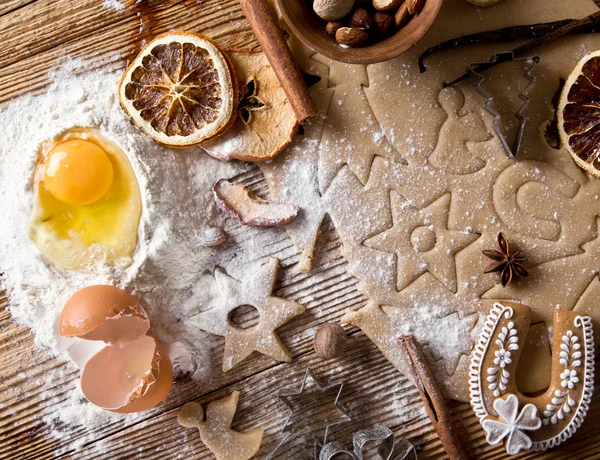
{"points": [[524, 422]]}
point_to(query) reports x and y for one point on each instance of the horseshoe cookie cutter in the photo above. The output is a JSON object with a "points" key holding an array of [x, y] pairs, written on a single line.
{"points": [[524, 422]]}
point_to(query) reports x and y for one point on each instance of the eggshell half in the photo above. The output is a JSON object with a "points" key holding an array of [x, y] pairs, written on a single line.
{"points": [[131, 377], [104, 313]]}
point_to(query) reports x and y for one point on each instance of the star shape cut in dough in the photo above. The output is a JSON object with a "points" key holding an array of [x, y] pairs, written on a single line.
{"points": [[257, 292], [421, 241]]}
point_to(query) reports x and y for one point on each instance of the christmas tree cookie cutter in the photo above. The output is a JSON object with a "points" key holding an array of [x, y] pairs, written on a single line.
{"points": [[525, 422], [475, 70]]}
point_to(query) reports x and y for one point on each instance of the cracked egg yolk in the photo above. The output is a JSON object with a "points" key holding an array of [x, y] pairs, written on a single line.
{"points": [[87, 202], [78, 172]]}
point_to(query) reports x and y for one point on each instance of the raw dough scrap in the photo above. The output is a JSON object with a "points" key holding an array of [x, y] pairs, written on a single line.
{"points": [[216, 431], [255, 291], [388, 131]]}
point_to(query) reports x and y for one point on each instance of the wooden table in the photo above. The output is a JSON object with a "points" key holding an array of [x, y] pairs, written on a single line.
{"points": [[34, 35]]}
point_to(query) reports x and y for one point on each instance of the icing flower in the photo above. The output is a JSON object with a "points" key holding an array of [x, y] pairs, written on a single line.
{"points": [[502, 358], [511, 424], [569, 379]]}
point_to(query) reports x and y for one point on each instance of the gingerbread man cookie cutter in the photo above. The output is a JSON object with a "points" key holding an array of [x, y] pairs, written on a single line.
{"points": [[531, 422]]}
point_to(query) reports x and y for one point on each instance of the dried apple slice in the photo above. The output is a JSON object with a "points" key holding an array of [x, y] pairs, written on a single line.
{"points": [[265, 122], [239, 203], [128, 378]]}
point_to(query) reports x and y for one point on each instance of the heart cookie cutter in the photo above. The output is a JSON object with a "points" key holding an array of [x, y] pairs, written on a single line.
{"points": [[379, 433]]}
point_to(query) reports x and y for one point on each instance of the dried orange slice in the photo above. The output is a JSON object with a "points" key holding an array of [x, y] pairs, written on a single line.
{"points": [[180, 89], [265, 123], [579, 114]]}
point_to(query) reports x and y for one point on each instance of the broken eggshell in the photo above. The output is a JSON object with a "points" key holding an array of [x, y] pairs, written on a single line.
{"points": [[131, 372], [235, 200], [105, 313], [138, 374]]}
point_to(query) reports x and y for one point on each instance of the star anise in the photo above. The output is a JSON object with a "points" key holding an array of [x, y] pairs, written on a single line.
{"points": [[503, 261], [249, 101]]}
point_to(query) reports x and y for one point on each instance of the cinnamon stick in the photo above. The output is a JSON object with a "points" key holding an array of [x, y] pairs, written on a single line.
{"points": [[591, 21], [432, 398], [271, 39]]}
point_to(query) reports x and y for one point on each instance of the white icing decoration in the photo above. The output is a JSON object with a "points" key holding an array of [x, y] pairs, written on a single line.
{"points": [[511, 424], [561, 402], [503, 359], [589, 367], [481, 347], [578, 370]]}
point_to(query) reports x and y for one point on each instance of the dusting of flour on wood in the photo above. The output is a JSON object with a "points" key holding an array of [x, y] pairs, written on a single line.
{"points": [[171, 263]]}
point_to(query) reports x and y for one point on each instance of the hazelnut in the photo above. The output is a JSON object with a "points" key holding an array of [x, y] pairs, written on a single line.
{"points": [[360, 17], [333, 26], [330, 340], [402, 15], [384, 23], [332, 10], [387, 5], [350, 36]]}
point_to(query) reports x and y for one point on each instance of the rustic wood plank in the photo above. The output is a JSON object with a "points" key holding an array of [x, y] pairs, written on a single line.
{"points": [[326, 292], [8, 6], [29, 50], [35, 36]]}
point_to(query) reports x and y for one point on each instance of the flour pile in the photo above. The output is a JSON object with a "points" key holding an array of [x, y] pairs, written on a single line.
{"points": [[169, 266]]}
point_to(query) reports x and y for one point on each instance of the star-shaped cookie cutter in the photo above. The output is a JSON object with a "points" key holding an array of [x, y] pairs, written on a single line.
{"points": [[285, 394], [475, 70]]}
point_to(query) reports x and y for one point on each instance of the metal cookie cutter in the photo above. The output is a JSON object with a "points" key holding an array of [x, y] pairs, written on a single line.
{"points": [[475, 70], [285, 395], [386, 447]]}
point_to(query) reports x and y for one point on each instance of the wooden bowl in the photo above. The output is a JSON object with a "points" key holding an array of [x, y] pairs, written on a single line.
{"points": [[310, 28]]}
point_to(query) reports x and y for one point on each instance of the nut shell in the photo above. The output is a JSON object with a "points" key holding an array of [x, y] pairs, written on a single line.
{"points": [[332, 10], [351, 36], [330, 341]]}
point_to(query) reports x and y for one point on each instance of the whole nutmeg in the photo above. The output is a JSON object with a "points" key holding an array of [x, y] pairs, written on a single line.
{"points": [[333, 26], [384, 23], [360, 17], [350, 36], [332, 10], [330, 340]]}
